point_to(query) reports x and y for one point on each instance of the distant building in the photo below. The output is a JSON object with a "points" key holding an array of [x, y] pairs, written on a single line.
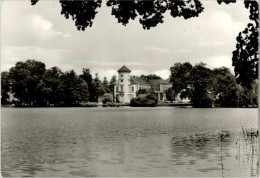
{"points": [[127, 86]]}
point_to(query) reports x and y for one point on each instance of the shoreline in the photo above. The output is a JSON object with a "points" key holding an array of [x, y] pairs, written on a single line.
{"points": [[184, 105]]}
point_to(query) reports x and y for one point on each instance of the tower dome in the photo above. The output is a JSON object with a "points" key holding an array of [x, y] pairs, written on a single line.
{"points": [[124, 69]]}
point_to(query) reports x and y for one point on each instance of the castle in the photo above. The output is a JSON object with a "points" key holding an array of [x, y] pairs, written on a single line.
{"points": [[127, 86]]}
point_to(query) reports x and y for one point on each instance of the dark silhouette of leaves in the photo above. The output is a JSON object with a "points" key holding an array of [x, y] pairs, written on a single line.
{"points": [[226, 1], [185, 8], [245, 57], [33, 2], [151, 13], [123, 10], [82, 12]]}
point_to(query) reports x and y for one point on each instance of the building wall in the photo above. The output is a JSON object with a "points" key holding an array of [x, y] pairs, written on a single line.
{"points": [[125, 91], [164, 87], [123, 85]]}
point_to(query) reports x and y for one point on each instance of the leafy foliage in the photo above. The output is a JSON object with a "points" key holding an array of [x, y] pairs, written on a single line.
{"points": [[151, 13], [25, 78], [226, 87], [204, 86], [201, 86], [97, 88], [180, 76], [107, 97], [81, 11], [142, 91], [112, 84], [150, 77], [75, 89], [170, 94], [33, 85], [5, 87], [52, 85], [87, 77], [246, 57], [149, 99], [105, 85]]}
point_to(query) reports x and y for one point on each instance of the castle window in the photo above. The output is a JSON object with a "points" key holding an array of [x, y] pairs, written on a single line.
{"points": [[133, 88], [122, 80], [122, 75]]}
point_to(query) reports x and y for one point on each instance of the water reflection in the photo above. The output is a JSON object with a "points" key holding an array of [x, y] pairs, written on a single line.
{"points": [[128, 142], [219, 147]]}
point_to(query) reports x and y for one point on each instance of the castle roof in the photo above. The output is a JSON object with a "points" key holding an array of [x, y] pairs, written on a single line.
{"points": [[124, 69], [138, 81], [155, 83]]}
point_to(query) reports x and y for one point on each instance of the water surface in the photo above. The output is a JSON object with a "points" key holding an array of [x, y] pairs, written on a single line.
{"points": [[162, 141]]}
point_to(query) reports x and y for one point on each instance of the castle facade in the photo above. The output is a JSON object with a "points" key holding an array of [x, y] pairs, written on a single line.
{"points": [[127, 86]]}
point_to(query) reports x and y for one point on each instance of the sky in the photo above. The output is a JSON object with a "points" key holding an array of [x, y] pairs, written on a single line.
{"points": [[40, 32]]}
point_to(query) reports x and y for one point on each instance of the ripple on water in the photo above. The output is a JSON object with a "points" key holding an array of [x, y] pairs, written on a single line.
{"points": [[128, 142]]}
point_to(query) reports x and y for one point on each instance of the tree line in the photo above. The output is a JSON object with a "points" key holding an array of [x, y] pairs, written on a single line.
{"points": [[245, 57], [204, 86], [31, 84]]}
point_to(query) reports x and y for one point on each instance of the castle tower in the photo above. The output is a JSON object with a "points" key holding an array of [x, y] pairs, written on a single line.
{"points": [[123, 85]]}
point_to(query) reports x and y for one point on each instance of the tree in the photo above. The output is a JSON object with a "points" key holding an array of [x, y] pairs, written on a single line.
{"points": [[225, 87], [142, 91], [170, 94], [75, 88], [112, 84], [52, 78], [98, 88], [105, 85], [246, 57], [202, 86], [107, 97], [181, 77], [206, 86], [86, 75], [25, 77], [150, 13], [150, 77], [5, 87], [149, 99]]}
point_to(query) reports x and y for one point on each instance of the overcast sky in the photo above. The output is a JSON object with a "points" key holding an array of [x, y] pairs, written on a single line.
{"points": [[40, 32]]}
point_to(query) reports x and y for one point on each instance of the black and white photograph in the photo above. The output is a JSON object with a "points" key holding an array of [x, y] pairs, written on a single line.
{"points": [[129, 88]]}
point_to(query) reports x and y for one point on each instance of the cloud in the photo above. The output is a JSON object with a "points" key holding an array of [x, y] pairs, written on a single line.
{"points": [[45, 35], [44, 28], [220, 61], [213, 43], [164, 73], [222, 22], [119, 64], [21, 26], [157, 49], [139, 72], [104, 73], [12, 54]]}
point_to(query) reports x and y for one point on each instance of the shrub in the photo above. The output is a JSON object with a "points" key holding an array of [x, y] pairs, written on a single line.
{"points": [[107, 97], [142, 101]]}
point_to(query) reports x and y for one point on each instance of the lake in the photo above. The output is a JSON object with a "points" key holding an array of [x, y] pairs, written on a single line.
{"points": [[161, 141]]}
